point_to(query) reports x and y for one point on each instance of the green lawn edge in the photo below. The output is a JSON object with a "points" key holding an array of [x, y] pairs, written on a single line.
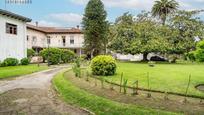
{"points": [[16, 71], [99, 105]]}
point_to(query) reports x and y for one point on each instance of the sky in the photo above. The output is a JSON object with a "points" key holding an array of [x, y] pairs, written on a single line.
{"points": [[69, 13]]}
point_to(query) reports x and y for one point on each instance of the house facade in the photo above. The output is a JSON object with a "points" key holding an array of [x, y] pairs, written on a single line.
{"points": [[39, 38], [13, 41]]}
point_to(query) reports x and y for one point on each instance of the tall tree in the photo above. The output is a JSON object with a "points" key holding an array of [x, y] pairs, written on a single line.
{"points": [[162, 8], [95, 28]]}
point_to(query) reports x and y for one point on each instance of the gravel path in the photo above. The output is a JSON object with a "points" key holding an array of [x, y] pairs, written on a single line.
{"points": [[33, 95]]}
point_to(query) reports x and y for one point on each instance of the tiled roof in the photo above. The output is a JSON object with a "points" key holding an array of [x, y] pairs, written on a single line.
{"points": [[15, 16], [53, 30]]}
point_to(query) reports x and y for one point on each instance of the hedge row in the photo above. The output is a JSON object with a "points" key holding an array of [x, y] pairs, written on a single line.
{"points": [[56, 55], [14, 62]]}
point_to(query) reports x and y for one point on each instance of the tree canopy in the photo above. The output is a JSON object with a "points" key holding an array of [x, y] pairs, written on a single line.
{"points": [[144, 34]]}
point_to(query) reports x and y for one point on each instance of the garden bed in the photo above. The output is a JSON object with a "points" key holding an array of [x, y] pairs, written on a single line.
{"points": [[99, 104], [174, 103]]}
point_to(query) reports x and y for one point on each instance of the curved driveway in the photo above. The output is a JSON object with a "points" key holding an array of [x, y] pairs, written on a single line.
{"points": [[33, 95]]}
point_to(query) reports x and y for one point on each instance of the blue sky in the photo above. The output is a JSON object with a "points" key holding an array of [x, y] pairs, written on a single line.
{"points": [[68, 13]]}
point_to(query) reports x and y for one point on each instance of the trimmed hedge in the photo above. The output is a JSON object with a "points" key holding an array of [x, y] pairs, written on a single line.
{"points": [[67, 56], [25, 61], [103, 65], [57, 55], [10, 62]]}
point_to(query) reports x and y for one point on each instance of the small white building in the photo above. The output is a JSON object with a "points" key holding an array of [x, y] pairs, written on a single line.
{"points": [[39, 37], [13, 41]]}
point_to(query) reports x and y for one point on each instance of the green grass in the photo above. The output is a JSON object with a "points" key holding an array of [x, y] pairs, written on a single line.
{"points": [[163, 77], [96, 104], [14, 71]]}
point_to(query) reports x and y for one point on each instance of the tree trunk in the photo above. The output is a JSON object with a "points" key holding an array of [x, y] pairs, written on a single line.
{"points": [[164, 20], [145, 56]]}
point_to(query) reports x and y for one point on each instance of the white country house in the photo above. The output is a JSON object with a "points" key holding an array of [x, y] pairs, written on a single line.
{"points": [[39, 37], [13, 41]]}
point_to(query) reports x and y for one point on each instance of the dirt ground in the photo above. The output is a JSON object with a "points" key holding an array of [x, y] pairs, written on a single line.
{"points": [[35, 102], [34, 95], [174, 103]]}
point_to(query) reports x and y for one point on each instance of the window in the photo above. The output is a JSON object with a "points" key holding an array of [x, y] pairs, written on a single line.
{"points": [[27, 38], [34, 40], [72, 40], [11, 29], [48, 40], [64, 40]]}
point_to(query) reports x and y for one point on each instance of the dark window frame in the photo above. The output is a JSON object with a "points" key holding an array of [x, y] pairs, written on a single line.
{"points": [[11, 28]]}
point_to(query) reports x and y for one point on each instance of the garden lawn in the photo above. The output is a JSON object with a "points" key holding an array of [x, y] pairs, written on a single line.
{"points": [[14, 71], [163, 77], [96, 104]]}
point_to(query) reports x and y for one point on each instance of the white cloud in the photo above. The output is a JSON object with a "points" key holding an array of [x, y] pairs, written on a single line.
{"points": [[46, 23], [66, 17]]}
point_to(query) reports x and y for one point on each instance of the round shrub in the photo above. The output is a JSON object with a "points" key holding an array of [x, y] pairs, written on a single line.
{"points": [[25, 61], [199, 55], [10, 62], [103, 65], [67, 56]]}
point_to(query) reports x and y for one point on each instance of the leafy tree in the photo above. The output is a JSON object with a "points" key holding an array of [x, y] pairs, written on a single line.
{"points": [[122, 33], [142, 35], [187, 27], [162, 8], [95, 27]]}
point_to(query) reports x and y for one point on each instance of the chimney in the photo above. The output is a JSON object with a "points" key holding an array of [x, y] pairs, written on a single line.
{"points": [[36, 23], [77, 26]]}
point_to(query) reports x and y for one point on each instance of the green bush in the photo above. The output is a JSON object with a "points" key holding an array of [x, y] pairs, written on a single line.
{"points": [[67, 56], [103, 65], [191, 56], [200, 45], [199, 55], [54, 55], [57, 55], [10, 62], [77, 67], [30, 53], [25, 61]]}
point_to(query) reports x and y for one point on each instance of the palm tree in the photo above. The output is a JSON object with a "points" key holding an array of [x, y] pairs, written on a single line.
{"points": [[162, 8]]}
